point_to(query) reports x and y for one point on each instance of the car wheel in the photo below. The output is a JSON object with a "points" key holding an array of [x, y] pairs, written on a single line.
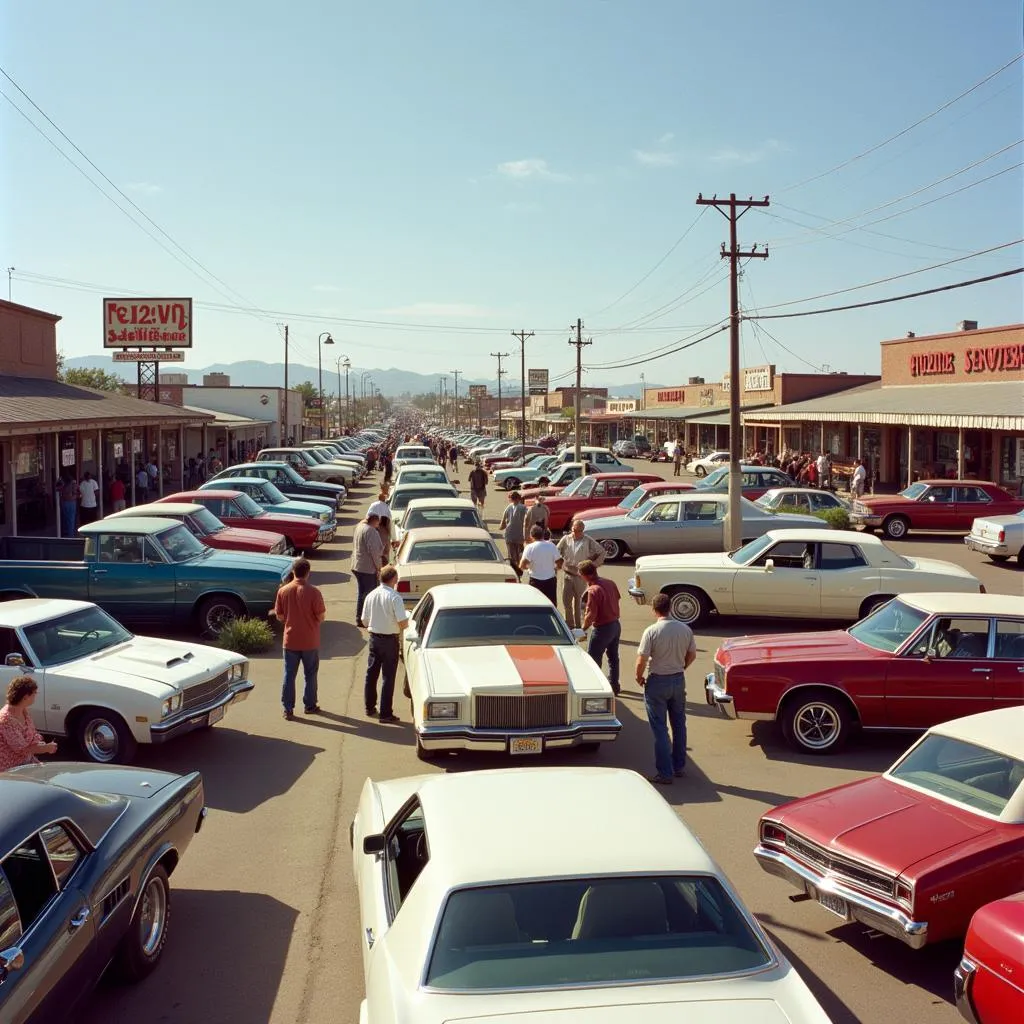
{"points": [[103, 737], [215, 612], [613, 549], [699, 471], [1000, 558], [816, 722], [588, 748], [1020, 557], [872, 604], [896, 527], [689, 605], [511, 484], [143, 945]]}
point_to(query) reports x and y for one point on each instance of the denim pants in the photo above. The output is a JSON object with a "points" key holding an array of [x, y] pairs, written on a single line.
{"points": [[606, 639], [665, 698], [365, 582], [68, 517], [383, 658], [310, 661]]}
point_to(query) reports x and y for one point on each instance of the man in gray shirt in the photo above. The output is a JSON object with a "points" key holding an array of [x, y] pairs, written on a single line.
{"points": [[513, 523], [666, 649], [367, 555]]}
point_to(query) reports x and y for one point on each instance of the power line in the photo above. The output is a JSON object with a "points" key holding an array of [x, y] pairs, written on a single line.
{"points": [[671, 352]]}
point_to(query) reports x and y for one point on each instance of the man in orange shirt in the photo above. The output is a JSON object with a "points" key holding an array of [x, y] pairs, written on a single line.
{"points": [[300, 608]]}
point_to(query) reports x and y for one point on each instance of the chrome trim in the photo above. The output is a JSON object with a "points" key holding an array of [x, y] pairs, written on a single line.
{"points": [[716, 696], [871, 912], [962, 978], [463, 737], [986, 546], [192, 719]]}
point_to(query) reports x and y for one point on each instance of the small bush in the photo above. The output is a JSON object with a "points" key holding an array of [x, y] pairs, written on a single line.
{"points": [[837, 518], [246, 636]]}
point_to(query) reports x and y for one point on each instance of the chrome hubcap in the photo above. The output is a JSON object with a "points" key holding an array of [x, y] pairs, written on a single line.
{"points": [[152, 916], [611, 548], [685, 607], [100, 740], [218, 616], [817, 725], [897, 528]]}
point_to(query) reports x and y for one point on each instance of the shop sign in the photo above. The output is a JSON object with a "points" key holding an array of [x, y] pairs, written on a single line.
{"points": [[118, 450], [675, 396], [621, 405], [995, 359], [707, 397], [477, 391], [87, 450], [758, 379], [172, 355], [166, 323], [27, 460], [537, 382], [932, 364], [136, 446]]}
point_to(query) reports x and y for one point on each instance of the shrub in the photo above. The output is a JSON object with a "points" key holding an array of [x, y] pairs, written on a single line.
{"points": [[837, 518], [246, 636]]}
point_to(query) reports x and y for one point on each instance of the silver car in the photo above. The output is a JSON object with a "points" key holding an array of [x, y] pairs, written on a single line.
{"points": [[669, 523]]}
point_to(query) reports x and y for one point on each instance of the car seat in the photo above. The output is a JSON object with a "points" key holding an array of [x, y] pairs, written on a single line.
{"points": [[621, 910]]}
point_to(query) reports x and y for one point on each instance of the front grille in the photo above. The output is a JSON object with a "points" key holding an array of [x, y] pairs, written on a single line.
{"points": [[526, 711], [203, 693], [842, 868]]}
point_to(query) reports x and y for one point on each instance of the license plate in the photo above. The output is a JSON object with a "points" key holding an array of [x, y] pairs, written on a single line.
{"points": [[526, 745], [215, 716], [835, 905]]}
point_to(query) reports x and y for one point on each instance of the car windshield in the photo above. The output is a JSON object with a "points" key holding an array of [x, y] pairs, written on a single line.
{"points": [[715, 478], [591, 931], [441, 517], [75, 635], [640, 511], [538, 460], [635, 495], [962, 772], [401, 498], [746, 554], [180, 544], [579, 486], [248, 506], [478, 627], [423, 476], [207, 521], [317, 456], [914, 491], [453, 551], [271, 492], [890, 627]]}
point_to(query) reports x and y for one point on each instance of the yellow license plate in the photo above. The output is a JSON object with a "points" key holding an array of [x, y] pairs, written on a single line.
{"points": [[526, 745]]}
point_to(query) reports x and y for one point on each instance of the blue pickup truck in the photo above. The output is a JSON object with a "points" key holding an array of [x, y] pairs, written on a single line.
{"points": [[145, 570]]}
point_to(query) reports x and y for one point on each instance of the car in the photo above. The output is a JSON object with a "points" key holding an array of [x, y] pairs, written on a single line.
{"points": [[107, 690], [510, 456], [814, 573], [414, 473], [538, 470], [618, 916], [332, 454], [561, 477], [986, 986], [949, 505], [431, 555], [757, 480], [627, 449], [400, 497], [639, 494], [84, 880], [492, 667], [914, 852], [688, 521], [799, 499], [643, 444], [412, 452], [707, 463], [999, 537], [601, 459], [267, 496], [426, 512], [235, 508], [309, 468], [289, 482], [918, 660], [206, 527], [599, 490]]}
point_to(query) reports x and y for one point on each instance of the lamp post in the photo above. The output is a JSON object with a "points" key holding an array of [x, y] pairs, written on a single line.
{"points": [[364, 378], [320, 373], [340, 360]]}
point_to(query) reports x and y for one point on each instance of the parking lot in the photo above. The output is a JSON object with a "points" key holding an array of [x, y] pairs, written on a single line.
{"points": [[265, 924]]}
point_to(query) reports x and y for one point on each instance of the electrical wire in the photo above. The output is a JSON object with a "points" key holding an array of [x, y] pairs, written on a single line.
{"points": [[680, 348]]}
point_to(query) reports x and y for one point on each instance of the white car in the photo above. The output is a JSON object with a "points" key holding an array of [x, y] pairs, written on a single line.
{"points": [[999, 537], [805, 574], [421, 473], [557, 896], [705, 464], [494, 667], [434, 555], [540, 467], [439, 511], [108, 690]]}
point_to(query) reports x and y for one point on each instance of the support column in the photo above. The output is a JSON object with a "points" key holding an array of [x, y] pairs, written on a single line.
{"points": [[910, 456], [960, 454], [99, 470], [58, 470], [860, 440], [14, 493], [131, 462], [159, 460], [822, 435], [181, 457]]}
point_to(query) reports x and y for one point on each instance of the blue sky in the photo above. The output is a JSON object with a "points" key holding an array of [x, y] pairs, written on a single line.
{"points": [[457, 169]]}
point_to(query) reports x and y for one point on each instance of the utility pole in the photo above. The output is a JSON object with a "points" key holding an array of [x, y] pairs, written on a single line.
{"points": [[732, 209], [444, 399], [287, 433], [499, 356], [579, 343], [521, 337], [457, 374], [10, 274]]}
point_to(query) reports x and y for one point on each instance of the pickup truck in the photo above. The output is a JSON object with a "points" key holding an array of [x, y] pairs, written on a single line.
{"points": [[144, 570]]}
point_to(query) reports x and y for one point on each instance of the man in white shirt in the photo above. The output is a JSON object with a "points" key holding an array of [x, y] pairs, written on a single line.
{"points": [[858, 480], [541, 557], [824, 467], [385, 618], [88, 489]]}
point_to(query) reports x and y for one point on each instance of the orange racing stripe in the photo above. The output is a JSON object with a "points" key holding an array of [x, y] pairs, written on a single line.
{"points": [[538, 666]]}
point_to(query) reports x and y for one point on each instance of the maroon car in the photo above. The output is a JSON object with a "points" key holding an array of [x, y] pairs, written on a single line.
{"points": [[598, 491], [989, 983]]}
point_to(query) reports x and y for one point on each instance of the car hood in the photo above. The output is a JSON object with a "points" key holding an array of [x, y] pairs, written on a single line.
{"points": [[301, 508], [587, 514], [697, 560], [456, 572], [239, 535], [95, 778], [241, 562], [880, 822], [884, 501], [824, 645], [613, 523]]}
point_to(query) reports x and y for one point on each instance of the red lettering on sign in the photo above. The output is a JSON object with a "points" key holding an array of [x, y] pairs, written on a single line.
{"points": [[929, 364]]}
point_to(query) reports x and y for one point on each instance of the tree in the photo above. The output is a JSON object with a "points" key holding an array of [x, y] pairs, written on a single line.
{"points": [[309, 393], [91, 377]]}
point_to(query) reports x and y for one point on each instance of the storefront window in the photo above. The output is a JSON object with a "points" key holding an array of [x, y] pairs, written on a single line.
{"points": [[1011, 462]]}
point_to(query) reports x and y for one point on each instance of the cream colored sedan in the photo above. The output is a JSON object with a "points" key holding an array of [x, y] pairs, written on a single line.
{"points": [[448, 554]]}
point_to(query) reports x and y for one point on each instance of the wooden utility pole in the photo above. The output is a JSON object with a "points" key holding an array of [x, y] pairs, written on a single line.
{"points": [[732, 209], [521, 337], [579, 343], [499, 356], [287, 434], [457, 374]]}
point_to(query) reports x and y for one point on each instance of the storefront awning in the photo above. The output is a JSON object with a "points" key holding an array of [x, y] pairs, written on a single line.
{"points": [[227, 419], [689, 413]]}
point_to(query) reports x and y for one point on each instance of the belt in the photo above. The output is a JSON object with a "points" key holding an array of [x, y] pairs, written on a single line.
{"points": [[384, 636]]}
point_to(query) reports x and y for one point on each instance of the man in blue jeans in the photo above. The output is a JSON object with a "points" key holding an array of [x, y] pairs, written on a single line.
{"points": [[666, 649], [300, 609], [603, 614]]}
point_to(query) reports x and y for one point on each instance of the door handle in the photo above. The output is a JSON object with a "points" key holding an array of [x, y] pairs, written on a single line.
{"points": [[1020, 668], [80, 918], [99, 572], [985, 670], [369, 938]]}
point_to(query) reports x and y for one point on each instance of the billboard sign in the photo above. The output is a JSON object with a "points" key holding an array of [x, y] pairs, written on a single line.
{"points": [[155, 323], [621, 405], [478, 391], [537, 382]]}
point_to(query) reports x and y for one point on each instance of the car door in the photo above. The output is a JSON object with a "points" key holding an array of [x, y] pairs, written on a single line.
{"points": [[412, 641], [971, 503], [117, 580], [1008, 662], [844, 580], [947, 673], [935, 509], [46, 917], [658, 531], [789, 587], [701, 525]]}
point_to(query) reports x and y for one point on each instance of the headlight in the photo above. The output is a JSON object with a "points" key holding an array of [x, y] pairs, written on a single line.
{"points": [[170, 705], [636, 580], [597, 705], [325, 517], [239, 671], [441, 709]]}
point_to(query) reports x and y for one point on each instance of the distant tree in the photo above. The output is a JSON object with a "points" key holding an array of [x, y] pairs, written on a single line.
{"points": [[426, 401], [308, 391], [90, 377]]}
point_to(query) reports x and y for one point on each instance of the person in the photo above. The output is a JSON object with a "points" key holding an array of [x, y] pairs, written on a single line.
{"points": [[478, 485], [380, 507], [384, 529], [537, 514], [677, 458], [20, 742], [300, 608], [117, 501], [576, 547], [367, 549], [453, 457], [388, 463], [88, 490], [154, 475], [141, 485], [68, 505], [859, 479], [603, 615], [666, 649], [200, 469], [541, 557], [513, 523], [822, 467], [384, 617]]}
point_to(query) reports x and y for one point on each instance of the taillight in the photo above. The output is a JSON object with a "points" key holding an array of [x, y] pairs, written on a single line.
{"points": [[771, 833], [404, 587], [1002, 536]]}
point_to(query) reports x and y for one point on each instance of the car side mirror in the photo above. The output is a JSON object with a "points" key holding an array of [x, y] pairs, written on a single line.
{"points": [[769, 565], [14, 661], [375, 844]]}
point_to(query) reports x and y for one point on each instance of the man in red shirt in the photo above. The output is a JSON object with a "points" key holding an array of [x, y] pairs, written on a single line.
{"points": [[117, 494], [300, 608], [603, 615]]}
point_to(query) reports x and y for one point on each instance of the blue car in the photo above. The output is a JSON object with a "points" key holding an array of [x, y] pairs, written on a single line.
{"points": [[267, 496]]}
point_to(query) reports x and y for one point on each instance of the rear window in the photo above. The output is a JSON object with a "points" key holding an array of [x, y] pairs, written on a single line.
{"points": [[453, 551]]}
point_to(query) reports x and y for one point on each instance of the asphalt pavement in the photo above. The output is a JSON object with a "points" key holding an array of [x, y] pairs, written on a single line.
{"points": [[265, 924]]}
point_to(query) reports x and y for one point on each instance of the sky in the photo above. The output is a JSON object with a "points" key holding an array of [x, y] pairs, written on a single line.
{"points": [[421, 178]]}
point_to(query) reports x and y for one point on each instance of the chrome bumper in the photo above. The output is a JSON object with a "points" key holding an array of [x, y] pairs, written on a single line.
{"points": [[962, 978], [636, 592], [325, 534], [199, 718], [868, 911], [986, 547], [863, 519], [717, 697], [462, 737]]}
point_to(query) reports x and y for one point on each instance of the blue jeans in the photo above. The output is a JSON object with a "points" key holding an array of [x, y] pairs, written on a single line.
{"points": [[606, 638], [68, 516], [665, 697], [365, 582], [310, 661]]}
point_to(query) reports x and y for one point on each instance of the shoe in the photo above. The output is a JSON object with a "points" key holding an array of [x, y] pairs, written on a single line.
{"points": [[288, 716], [660, 780], [679, 772], [389, 719], [314, 710]]}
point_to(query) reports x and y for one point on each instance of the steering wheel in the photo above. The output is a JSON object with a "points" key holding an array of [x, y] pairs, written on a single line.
{"points": [[94, 633], [420, 849], [528, 630]]}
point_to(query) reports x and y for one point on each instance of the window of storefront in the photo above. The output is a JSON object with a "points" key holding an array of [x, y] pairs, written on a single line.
{"points": [[1011, 462]]}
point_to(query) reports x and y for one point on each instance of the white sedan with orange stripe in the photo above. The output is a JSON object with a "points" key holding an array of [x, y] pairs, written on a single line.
{"points": [[494, 667]]}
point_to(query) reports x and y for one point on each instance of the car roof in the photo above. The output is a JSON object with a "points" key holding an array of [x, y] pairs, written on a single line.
{"points": [[27, 611], [420, 485], [448, 533], [575, 804], [145, 524], [1001, 730], [487, 595], [659, 485], [213, 492], [164, 508], [620, 475], [824, 535], [440, 502], [249, 481], [965, 604], [962, 483]]}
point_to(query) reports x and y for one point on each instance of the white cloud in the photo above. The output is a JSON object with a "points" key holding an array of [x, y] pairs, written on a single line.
{"points": [[530, 168], [145, 187], [655, 158], [666, 138], [453, 310], [748, 156]]}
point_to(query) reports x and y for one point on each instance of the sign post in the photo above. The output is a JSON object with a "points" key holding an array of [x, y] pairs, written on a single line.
{"points": [[479, 392]]}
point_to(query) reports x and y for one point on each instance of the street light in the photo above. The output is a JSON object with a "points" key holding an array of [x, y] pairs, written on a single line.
{"points": [[347, 364], [364, 377], [320, 373]]}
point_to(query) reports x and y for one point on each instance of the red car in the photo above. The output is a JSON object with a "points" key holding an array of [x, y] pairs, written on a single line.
{"points": [[914, 662], [602, 490], [757, 481], [234, 508], [988, 983], [950, 505], [915, 852], [635, 497]]}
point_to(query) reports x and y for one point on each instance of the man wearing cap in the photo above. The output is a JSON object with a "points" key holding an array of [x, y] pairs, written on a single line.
{"points": [[576, 547]]}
